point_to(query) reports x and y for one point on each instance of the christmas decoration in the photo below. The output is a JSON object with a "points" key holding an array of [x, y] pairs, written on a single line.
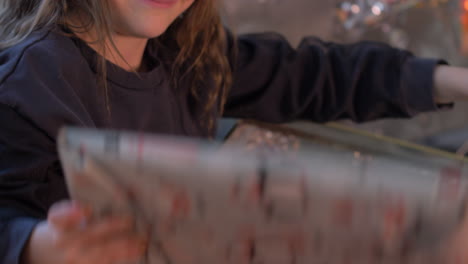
{"points": [[356, 17], [464, 27]]}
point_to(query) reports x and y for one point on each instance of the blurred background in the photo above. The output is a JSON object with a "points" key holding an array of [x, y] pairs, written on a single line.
{"points": [[429, 28]]}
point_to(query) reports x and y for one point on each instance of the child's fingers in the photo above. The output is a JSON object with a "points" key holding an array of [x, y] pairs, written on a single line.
{"points": [[102, 231], [458, 247], [122, 249], [67, 215]]}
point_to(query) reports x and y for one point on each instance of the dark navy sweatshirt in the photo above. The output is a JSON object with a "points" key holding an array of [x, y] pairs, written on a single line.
{"points": [[49, 80]]}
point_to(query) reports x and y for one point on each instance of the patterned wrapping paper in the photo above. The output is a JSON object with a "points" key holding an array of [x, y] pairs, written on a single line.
{"points": [[265, 197]]}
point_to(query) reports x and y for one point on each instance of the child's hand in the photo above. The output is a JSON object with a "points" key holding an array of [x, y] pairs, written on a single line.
{"points": [[458, 247], [68, 238], [450, 84]]}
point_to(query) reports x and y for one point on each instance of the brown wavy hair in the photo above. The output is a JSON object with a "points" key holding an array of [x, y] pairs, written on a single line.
{"points": [[197, 39]]}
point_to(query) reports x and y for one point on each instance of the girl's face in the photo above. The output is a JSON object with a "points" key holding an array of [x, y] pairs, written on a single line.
{"points": [[146, 18]]}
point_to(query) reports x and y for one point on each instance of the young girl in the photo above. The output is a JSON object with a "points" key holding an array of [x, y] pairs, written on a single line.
{"points": [[169, 67]]}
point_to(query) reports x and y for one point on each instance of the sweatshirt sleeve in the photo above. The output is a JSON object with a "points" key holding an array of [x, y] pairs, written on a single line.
{"points": [[30, 181], [38, 95], [321, 82], [14, 236]]}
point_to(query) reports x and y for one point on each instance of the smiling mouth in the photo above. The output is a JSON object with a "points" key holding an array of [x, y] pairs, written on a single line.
{"points": [[161, 3]]}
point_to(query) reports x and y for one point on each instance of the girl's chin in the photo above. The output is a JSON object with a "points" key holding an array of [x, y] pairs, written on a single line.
{"points": [[148, 33]]}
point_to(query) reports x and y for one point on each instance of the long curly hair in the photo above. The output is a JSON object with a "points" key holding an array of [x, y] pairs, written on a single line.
{"points": [[197, 38]]}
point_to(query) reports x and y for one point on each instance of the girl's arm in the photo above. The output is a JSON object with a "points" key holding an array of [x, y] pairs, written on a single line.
{"points": [[322, 81]]}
